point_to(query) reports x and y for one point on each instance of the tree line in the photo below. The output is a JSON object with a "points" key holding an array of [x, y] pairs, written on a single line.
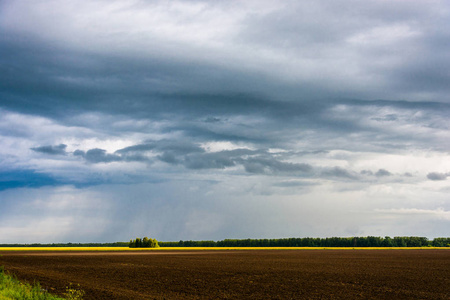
{"points": [[369, 241], [143, 243]]}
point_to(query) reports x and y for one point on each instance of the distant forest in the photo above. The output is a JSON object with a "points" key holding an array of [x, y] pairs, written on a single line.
{"points": [[369, 241]]}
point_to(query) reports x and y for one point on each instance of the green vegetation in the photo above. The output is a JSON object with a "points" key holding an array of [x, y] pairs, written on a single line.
{"points": [[74, 293], [441, 242], [11, 288], [143, 243], [370, 241]]}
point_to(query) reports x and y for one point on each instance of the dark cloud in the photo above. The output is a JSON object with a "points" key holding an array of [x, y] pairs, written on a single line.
{"points": [[382, 173], [379, 173], [437, 176], [259, 162], [59, 80], [263, 165], [51, 150], [169, 158], [80, 153], [219, 160], [189, 154], [192, 156], [51, 81], [171, 152], [339, 172], [98, 156], [137, 148], [26, 179], [177, 147], [101, 156]]}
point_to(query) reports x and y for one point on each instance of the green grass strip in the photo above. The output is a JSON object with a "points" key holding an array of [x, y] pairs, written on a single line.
{"points": [[11, 288]]}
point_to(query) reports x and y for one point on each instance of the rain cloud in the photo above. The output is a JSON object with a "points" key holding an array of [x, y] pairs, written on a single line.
{"points": [[257, 117]]}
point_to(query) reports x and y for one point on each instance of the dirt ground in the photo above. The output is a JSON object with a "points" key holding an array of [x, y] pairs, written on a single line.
{"points": [[251, 274]]}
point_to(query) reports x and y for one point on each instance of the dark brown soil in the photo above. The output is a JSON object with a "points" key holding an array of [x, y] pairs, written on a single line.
{"points": [[251, 274]]}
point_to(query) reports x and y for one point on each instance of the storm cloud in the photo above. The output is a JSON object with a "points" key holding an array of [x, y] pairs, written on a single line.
{"points": [[52, 150], [226, 119]]}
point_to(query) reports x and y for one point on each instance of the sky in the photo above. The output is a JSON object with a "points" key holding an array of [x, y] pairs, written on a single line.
{"points": [[207, 120]]}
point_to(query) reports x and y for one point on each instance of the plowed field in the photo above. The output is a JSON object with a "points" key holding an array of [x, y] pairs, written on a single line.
{"points": [[263, 274]]}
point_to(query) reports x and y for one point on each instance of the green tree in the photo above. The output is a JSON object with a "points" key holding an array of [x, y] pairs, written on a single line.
{"points": [[387, 242], [143, 243], [138, 243]]}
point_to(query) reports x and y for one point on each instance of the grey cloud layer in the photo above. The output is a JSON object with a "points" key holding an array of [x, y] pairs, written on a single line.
{"points": [[64, 79], [192, 156], [308, 104], [345, 50]]}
